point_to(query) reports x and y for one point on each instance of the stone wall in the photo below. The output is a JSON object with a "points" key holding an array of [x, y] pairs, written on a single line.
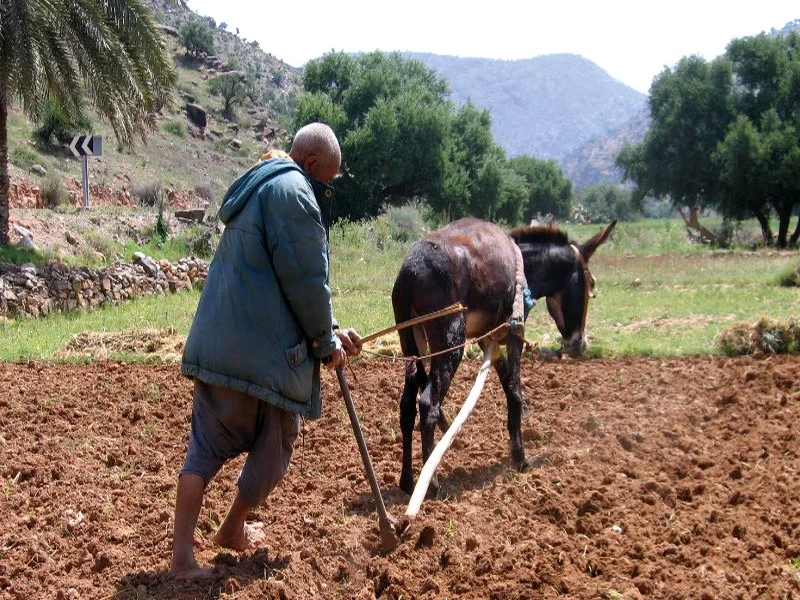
{"points": [[31, 291]]}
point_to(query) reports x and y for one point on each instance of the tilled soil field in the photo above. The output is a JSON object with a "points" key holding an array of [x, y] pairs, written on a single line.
{"points": [[655, 479]]}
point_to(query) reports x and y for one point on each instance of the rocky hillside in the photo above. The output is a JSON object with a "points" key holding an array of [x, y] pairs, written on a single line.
{"points": [[195, 151]]}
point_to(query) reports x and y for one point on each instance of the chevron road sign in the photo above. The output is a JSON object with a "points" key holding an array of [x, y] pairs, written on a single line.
{"points": [[86, 145]]}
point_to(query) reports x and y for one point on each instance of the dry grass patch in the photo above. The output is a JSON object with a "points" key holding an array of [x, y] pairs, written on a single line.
{"points": [[165, 345], [766, 335]]}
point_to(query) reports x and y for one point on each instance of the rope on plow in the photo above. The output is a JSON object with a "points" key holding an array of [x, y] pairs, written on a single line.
{"points": [[453, 308], [492, 333]]}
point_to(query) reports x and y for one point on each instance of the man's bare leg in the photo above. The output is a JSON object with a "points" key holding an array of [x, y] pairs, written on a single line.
{"points": [[187, 510], [235, 533]]}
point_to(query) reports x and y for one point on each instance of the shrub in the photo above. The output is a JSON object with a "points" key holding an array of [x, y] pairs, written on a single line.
{"points": [[55, 124], [197, 38], [176, 128], [98, 241], [201, 240], [380, 230], [53, 192], [24, 157], [790, 278], [162, 228], [603, 203], [406, 223], [147, 194], [203, 190]]}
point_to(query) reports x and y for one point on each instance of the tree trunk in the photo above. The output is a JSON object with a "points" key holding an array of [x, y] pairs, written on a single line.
{"points": [[766, 230], [693, 223], [5, 182], [784, 211], [796, 235]]}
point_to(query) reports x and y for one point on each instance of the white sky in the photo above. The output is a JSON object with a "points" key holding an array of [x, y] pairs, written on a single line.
{"points": [[632, 40]]}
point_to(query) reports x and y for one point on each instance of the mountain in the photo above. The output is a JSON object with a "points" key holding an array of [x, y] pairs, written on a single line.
{"points": [[594, 162], [550, 106]]}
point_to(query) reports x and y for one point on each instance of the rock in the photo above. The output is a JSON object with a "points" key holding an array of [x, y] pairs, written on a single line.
{"points": [[193, 215], [149, 266], [197, 115], [39, 170], [22, 231], [26, 238], [27, 243]]}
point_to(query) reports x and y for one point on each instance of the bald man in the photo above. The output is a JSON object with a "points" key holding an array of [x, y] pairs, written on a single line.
{"points": [[263, 325]]}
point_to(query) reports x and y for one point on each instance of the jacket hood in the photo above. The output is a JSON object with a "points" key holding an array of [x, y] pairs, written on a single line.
{"points": [[240, 191]]}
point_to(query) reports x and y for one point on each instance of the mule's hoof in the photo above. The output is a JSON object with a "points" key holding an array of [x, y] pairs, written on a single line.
{"points": [[407, 485], [525, 465]]}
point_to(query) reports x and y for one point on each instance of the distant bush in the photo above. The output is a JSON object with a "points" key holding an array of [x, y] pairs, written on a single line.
{"points": [[99, 241], [245, 122], [204, 191], [603, 203], [653, 208], [197, 37], [53, 192], [176, 128], [24, 157], [406, 223], [147, 194], [201, 241], [56, 125]]}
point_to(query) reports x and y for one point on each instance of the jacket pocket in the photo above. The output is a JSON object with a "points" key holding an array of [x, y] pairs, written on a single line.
{"points": [[297, 355], [298, 380]]}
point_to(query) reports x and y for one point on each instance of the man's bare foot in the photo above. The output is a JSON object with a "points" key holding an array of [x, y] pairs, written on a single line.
{"points": [[190, 572], [249, 537]]}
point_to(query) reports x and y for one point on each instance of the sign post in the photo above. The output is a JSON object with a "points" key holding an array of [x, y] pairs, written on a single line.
{"points": [[84, 146]]}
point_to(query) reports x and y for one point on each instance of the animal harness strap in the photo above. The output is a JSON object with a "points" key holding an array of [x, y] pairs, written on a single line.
{"points": [[521, 287]]}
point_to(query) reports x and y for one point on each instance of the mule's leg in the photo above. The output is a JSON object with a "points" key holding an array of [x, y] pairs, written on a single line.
{"points": [[508, 370], [414, 379], [440, 375]]}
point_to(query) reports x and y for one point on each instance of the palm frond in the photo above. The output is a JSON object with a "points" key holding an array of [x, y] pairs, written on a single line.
{"points": [[110, 48]]}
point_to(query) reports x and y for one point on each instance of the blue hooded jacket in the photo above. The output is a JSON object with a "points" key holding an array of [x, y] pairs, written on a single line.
{"points": [[265, 318]]}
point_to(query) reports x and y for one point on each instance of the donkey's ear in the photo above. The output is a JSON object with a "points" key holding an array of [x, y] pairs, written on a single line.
{"points": [[589, 246]]}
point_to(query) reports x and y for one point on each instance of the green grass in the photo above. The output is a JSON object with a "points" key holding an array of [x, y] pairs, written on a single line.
{"points": [[37, 339], [678, 304], [20, 256], [651, 303], [648, 303]]}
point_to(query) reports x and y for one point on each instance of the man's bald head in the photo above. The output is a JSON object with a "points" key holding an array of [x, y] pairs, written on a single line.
{"points": [[316, 149]]}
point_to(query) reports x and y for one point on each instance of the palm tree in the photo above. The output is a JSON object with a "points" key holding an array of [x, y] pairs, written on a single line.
{"points": [[109, 50]]}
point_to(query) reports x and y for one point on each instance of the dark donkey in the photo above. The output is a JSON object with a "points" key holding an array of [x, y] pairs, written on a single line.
{"points": [[476, 263]]}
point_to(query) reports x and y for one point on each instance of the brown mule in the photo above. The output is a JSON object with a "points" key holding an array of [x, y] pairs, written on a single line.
{"points": [[474, 262]]}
